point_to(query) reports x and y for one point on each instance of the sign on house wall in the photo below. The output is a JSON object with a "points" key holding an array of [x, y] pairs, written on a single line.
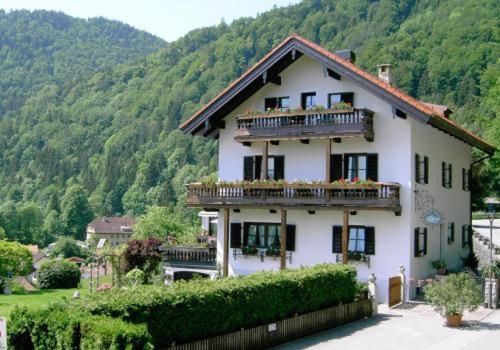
{"points": [[3, 333]]}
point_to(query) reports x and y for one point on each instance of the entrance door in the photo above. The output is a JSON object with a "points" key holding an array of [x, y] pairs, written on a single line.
{"points": [[394, 290]]}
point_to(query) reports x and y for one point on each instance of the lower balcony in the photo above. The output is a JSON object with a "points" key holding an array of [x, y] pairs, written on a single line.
{"points": [[366, 195], [190, 257]]}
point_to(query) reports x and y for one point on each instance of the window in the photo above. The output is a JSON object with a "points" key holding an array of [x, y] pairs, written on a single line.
{"points": [[361, 240], [420, 241], [308, 100], [466, 175], [356, 239], [276, 103], [466, 235], [451, 232], [349, 166], [446, 175], [252, 167], [262, 235], [343, 97], [421, 169]]}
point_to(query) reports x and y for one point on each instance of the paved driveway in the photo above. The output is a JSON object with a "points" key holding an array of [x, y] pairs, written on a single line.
{"points": [[413, 326]]}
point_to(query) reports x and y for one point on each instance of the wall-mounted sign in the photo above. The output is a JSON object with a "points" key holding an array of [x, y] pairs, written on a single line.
{"points": [[433, 217]]}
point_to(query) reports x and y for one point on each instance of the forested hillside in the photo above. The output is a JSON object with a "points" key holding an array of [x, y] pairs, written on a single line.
{"points": [[43, 48], [114, 135]]}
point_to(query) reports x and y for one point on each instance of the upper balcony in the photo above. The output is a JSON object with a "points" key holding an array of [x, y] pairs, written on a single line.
{"points": [[305, 124], [270, 194]]}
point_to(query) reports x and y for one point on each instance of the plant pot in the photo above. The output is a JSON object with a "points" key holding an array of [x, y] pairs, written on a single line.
{"points": [[443, 271], [453, 320]]}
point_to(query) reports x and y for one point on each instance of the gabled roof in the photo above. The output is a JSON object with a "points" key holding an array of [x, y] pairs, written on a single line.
{"points": [[108, 224], [207, 120]]}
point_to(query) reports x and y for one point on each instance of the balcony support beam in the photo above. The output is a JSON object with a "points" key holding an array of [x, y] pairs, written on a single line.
{"points": [[328, 159], [264, 159], [283, 240], [225, 257], [345, 235]]}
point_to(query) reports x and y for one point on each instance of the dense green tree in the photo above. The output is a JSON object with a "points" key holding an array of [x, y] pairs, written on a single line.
{"points": [[15, 259], [67, 247], [76, 212]]}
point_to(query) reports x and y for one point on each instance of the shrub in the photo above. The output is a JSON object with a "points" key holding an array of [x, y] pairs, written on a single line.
{"points": [[58, 274], [56, 327], [18, 288], [186, 311], [459, 292], [145, 255]]}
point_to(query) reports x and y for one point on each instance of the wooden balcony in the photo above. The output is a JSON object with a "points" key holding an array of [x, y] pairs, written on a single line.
{"points": [[190, 257], [352, 196], [328, 123]]}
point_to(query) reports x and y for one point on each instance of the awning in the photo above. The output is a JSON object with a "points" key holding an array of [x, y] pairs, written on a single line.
{"points": [[208, 214]]}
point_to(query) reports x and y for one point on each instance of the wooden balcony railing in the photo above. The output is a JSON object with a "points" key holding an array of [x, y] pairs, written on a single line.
{"points": [[190, 256], [305, 124], [376, 195]]}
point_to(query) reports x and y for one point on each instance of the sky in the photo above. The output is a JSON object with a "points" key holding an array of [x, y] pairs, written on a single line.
{"points": [[168, 19]]}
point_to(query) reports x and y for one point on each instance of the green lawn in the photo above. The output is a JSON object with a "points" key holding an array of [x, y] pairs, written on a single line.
{"points": [[43, 297]]}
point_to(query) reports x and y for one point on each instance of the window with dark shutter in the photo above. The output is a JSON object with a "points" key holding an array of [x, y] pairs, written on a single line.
{"points": [[335, 167], [308, 100], [372, 167], [258, 167], [450, 176], [443, 174], [465, 179], [279, 167], [276, 103], [465, 236], [426, 170], [420, 241], [337, 239], [338, 98], [235, 241], [370, 240], [421, 169], [248, 168], [417, 168], [290, 238], [451, 232], [446, 175]]}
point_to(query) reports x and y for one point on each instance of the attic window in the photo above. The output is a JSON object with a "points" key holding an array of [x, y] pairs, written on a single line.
{"points": [[308, 100], [338, 98], [126, 229], [271, 103]]}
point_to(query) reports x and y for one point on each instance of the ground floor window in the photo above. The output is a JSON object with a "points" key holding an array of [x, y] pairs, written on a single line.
{"points": [[420, 241], [262, 235], [356, 239], [361, 240]]}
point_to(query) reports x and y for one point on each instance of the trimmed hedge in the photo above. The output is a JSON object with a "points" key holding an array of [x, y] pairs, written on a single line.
{"points": [[198, 309], [58, 274], [59, 328]]}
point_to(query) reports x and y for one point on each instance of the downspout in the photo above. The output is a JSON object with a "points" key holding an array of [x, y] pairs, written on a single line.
{"points": [[471, 250]]}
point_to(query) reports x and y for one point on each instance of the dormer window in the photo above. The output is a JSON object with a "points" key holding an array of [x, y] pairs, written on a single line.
{"points": [[308, 100], [340, 98], [272, 103]]}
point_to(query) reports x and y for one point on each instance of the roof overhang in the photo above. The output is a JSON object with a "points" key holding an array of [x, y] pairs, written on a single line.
{"points": [[209, 119]]}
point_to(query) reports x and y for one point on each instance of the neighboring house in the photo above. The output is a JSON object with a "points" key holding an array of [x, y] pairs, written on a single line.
{"points": [[38, 258], [116, 230], [77, 260], [416, 209]]}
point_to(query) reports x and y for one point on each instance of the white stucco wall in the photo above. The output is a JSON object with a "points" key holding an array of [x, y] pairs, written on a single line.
{"points": [[454, 203], [395, 142]]}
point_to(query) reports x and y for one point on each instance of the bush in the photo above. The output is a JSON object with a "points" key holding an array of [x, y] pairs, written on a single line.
{"points": [[459, 292], [58, 274], [58, 328], [17, 288], [186, 311]]}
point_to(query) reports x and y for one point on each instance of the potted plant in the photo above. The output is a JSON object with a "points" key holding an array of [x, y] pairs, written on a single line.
{"points": [[249, 250], [273, 251], [440, 267], [451, 297]]}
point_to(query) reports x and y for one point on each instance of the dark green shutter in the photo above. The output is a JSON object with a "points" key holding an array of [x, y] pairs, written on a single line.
{"points": [[452, 231], [443, 174], [258, 168], [248, 168], [290, 238], [337, 239], [425, 240], [235, 235], [279, 167], [426, 170], [416, 242], [370, 240], [245, 234], [464, 232], [372, 166], [335, 167], [417, 168], [450, 176]]}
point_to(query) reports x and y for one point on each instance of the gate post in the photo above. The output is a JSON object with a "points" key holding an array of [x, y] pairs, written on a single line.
{"points": [[372, 293], [402, 270]]}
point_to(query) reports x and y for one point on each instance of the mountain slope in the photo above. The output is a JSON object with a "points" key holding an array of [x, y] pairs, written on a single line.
{"points": [[41, 47], [115, 133]]}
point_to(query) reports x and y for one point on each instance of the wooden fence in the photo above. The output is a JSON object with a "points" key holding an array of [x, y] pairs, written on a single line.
{"points": [[285, 330]]}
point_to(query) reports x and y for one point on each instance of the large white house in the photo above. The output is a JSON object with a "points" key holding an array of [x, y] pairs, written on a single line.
{"points": [[357, 171]]}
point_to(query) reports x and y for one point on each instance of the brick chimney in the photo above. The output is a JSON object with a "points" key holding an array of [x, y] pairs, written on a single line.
{"points": [[385, 72]]}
